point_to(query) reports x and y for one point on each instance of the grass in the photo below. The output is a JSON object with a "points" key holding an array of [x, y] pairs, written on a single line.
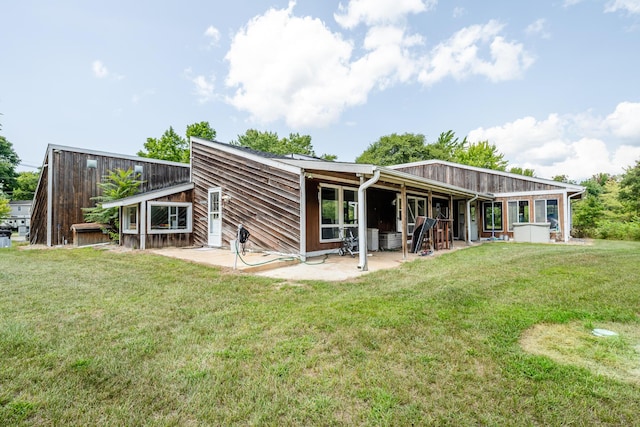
{"points": [[95, 337]]}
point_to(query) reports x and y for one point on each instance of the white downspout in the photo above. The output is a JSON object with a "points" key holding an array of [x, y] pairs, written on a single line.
{"points": [[567, 213], [469, 217], [362, 219]]}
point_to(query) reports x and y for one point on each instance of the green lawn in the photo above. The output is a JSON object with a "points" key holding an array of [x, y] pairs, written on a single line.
{"points": [[94, 337]]}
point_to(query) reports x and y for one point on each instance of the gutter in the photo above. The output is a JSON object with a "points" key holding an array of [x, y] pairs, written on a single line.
{"points": [[362, 219], [568, 216]]}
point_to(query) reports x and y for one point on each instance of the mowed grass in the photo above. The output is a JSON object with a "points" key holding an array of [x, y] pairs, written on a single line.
{"points": [[94, 337]]}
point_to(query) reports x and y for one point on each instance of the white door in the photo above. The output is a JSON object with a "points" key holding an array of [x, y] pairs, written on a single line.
{"points": [[474, 222], [215, 217]]}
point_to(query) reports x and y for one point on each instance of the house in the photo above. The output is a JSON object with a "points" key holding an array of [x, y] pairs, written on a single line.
{"points": [[519, 199], [19, 216], [69, 180]]}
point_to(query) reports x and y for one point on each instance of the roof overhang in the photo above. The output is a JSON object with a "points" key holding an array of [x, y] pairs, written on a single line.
{"points": [[149, 195]]}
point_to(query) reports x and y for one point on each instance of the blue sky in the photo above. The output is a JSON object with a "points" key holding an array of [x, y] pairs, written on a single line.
{"points": [[554, 84]]}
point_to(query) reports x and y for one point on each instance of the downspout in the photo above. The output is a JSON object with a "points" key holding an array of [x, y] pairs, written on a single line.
{"points": [[468, 217], [567, 213], [362, 219]]}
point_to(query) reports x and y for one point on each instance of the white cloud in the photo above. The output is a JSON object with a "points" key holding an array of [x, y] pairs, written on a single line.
{"points": [[459, 11], [99, 69], [204, 86], [375, 12], [212, 33], [538, 28], [459, 56], [568, 3], [282, 66], [630, 6], [625, 121], [577, 145]]}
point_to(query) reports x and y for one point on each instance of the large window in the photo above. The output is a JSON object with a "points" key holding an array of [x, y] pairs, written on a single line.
{"points": [[168, 217], [130, 219], [547, 211], [518, 212], [492, 218], [338, 210], [417, 206]]}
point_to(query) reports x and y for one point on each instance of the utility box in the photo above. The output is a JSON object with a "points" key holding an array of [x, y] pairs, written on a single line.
{"points": [[532, 232], [372, 239], [390, 240]]}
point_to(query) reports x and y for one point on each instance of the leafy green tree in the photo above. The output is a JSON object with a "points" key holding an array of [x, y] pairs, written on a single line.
{"points": [[26, 184], [586, 215], [5, 209], [269, 142], [9, 160], [445, 147], [116, 185], [481, 154], [520, 171], [630, 189], [395, 149], [173, 147]]}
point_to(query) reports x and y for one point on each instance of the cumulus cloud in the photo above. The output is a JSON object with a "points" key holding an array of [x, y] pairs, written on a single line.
{"points": [[204, 87], [577, 145], [376, 12], [213, 34], [629, 6], [459, 56], [538, 28], [283, 66], [99, 69]]}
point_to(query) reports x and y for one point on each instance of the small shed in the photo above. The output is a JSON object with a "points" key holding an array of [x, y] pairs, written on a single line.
{"points": [[89, 234]]}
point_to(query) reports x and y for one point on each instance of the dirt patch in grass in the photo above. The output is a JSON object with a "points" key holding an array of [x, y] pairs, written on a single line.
{"points": [[575, 344]]}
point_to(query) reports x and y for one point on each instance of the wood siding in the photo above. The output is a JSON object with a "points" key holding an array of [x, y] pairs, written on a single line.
{"points": [[478, 181], [74, 185], [264, 199]]}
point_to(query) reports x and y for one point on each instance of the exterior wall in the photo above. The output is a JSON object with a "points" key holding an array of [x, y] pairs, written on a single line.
{"points": [[555, 235], [478, 181], [264, 199], [74, 185], [20, 214], [157, 241]]}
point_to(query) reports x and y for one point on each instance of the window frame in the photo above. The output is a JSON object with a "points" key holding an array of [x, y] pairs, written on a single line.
{"points": [[518, 203], [340, 225], [546, 212], [126, 223], [494, 205], [187, 205]]}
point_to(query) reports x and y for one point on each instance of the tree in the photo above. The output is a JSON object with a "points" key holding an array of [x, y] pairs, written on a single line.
{"points": [[630, 189], [26, 184], [9, 160], [445, 147], [116, 185], [269, 142], [481, 154], [172, 146], [5, 209], [520, 171], [395, 149]]}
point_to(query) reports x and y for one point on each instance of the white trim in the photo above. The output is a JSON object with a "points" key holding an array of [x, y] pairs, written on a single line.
{"points": [[340, 225], [149, 195], [303, 215], [49, 196], [531, 193], [120, 156], [273, 162], [210, 191], [517, 201], [493, 206], [122, 219], [189, 228], [320, 165]]}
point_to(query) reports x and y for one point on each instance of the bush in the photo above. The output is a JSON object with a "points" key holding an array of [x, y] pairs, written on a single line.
{"points": [[618, 230]]}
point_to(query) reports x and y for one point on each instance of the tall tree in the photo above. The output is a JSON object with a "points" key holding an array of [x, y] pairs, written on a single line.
{"points": [[269, 142], [173, 147], [9, 160], [445, 147], [630, 189], [26, 184], [481, 154], [395, 149]]}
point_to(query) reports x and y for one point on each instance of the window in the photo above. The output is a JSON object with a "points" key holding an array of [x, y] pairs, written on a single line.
{"points": [[338, 209], [547, 211], [518, 212], [417, 207], [168, 217], [130, 219], [492, 218]]}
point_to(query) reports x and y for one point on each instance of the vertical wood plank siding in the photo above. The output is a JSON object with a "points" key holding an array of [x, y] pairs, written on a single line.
{"points": [[74, 185], [38, 223], [264, 199], [479, 181]]}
